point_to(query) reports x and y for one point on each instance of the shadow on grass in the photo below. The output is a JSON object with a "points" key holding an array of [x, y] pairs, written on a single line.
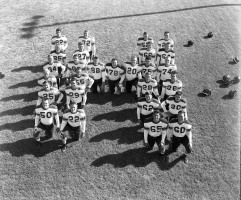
{"points": [[29, 27], [118, 116], [221, 84], [226, 97], [25, 111], [28, 146], [231, 62], [27, 84], [26, 97], [136, 157], [125, 135], [34, 69], [186, 45], [18, 126]]}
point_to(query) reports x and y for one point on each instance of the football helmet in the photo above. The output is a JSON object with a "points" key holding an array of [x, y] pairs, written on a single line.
{"points": [[210, 34], [227, 80], [207, 92], [190, 43], [232, 94], [236, 79]]}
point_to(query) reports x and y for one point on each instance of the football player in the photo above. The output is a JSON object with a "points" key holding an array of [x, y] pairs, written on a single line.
{"points": [[182, 134], [96, 71], [170, 86], [163, 53], [147, 84], [145, 107], [162, 42], [164, 72], [148, 66], [44, 120], [50, 93], [59, 55], [155, 132], [114, 72], [75, 94], [74, 120], [49, 78], [89, 43], [132, 74], [82, 53], [59, 39], [142, 41], [148, 51]]}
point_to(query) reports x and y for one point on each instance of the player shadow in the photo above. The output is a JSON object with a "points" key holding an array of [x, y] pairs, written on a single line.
{"points": [[33, 69], [139, 157], [25, 111], [28, 146], [27, 84], [118, 116], [18, 126], [221, 84], [26, 97], [125, 135], [186, 45], [29, 27], [226, 97], [135, 15], [231, 62]]}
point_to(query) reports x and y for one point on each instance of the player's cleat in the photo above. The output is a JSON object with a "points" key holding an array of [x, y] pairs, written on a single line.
{"points": [[210, 34], [207, 92], [190, 43], [236, 80], [227, 80], [232, 94], [64, 147], [185, 158]]}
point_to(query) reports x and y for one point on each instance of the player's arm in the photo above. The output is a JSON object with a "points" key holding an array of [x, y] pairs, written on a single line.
{"points": [[164, 134], [39, 101], [90, 82], [83, 124], [63, 123], [84, 99], [138, 112], [56, 115], [67, 100], [93, 47], [189, 135], [146, 132], [138, 91], [87, 57], [60, 97], [155, 91], [103, 74], [36, 119], [163, 91], [123, 75], [164, 107]]}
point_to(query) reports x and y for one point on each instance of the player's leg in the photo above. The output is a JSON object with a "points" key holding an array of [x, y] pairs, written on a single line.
{"points": [[151, 141], [160, 86], [94, 86], [91, 53], [176, 141], [77, 132], [99, 84], [161, 146], [128, 86], [118, 86], [49, 131], [64, 137], [111, 86], [185, 142]]}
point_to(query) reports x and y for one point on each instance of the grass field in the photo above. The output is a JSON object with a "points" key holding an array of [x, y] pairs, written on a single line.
{"points": [[112, 163]]}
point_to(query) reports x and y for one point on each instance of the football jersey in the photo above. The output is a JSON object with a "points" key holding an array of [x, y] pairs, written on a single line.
{"points": [[171, 88], [179, 130], [83, 55], [75, 95], [62, 40], [165, 72], [51, 79], [162, 43], [147, 86], [142, 43], [58, 57], [113, 73], [88, 42], [50, 94], [131, 72], [143, 53], [74, 119], [54, 67], [173, 106], [147, 107], [72, 67], [96, 71], [162, 54], [151, 68], [83, 81], [46, 116], [155, 129]]}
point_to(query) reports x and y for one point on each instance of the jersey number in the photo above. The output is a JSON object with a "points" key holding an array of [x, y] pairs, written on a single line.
{"points": [[131, 71], [95, 70], [179, 130], [48, 114], [74, 95], [169, 87], [73, 119], [155, 128], [173, 106], [115, 72], [168, 71], [148, 107], [49, 96], [147, 87]]}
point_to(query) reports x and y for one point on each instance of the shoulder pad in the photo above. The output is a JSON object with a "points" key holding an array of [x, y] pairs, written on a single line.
{"points": [[91, 63], [171, 98], [149, 119], [149, 38], [153, 80], [141, 38], [84, 74], [54, 37], [174, 120], [142, 80], [164, 120], [155, 101], [39, 106], [76, 51], [183, 100], [61, 51], [68, 87], [142, 99], [81, 111], [102, 64], [52, 51], [71, 62], [178, 81], [66, 111], [108, 64], [127, 62], [167, 80], [144, 48], [53, 106], [161, 39]]}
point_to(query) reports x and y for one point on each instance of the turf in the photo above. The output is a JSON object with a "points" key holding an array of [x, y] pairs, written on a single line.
{"points": [[111, 163]]}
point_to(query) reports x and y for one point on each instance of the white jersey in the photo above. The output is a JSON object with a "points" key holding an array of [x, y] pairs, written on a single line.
{"points": [[83, 55], [155, 129], [131, 72], [141, 42], [162, 54], [165, 71], [54, 68], [147, 108], [75, 95], [46, 117], [88, 42], [83, 81], [151, 68], [49, 94], [62, 40], [150, 86], [174, 107], [172, 88], [74, 119], [51, 79], [179, 130], [58, 56], [72, 67], [113, 73], [96, 71], [162, 43], [144, 52]]}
